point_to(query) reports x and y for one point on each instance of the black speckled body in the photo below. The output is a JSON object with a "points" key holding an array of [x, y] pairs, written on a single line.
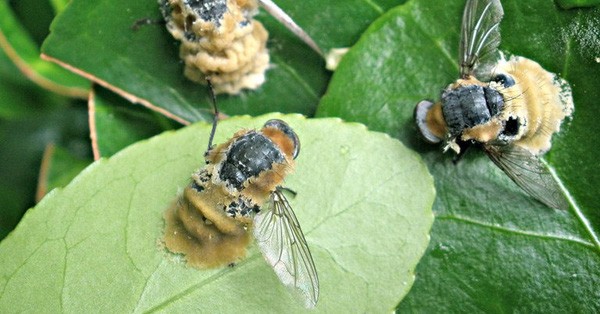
{"points": [[248, 156], [468, 106], [208, 10]]}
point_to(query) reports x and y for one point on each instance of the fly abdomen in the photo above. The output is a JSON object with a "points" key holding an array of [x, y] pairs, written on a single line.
{"points": [[248, 156]]}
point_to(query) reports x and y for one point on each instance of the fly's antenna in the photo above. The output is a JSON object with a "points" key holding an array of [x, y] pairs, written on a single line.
{"points": [[211, 91]]}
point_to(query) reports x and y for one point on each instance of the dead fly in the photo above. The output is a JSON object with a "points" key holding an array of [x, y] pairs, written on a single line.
{"points": [[509, 107], [239, 193], [221, 39]]}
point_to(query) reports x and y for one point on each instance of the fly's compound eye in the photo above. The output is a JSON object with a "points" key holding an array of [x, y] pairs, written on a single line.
{"points": [[421, 111], [287, 130], [505, 80]]}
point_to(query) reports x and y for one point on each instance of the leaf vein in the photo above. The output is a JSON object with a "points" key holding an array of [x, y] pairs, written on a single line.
{"points": [[64, 277], [576, 209], [496, 227], [145, 289], [126, 229], [11, 275], [199, 285]]}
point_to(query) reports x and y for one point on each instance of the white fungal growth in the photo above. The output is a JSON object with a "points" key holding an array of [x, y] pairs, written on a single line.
{"points": [[220, 40]]}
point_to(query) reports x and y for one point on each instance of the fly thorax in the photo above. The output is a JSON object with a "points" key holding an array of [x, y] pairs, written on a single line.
{"points": [[249, 156], [208, 10], [193, 20], [464, 107]]}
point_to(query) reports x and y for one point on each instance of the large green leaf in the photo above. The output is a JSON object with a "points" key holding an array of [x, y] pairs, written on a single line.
{"points": [[494, 248], [364, 203], [25, 53]]}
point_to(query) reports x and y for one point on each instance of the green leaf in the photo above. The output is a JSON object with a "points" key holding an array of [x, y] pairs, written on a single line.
{"points": [[10, 72], [336, 23], [19, 97], [494, 248], [35, 16], [364, 205], [19, 46], [117, 124], [18, 100], [144, 65], [570, 4]]}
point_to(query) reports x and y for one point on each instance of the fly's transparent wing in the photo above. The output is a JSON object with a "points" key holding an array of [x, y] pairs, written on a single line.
{"points": [[283, 245], [480, 36], [529, 173]]}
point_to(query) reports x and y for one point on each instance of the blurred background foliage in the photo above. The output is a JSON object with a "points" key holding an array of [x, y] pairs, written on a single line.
{"points": [[32, 118]]}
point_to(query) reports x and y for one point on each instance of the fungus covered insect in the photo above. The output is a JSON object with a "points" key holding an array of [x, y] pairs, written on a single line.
{"points": [[509, 107], [239, 194], [221, 39]]}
